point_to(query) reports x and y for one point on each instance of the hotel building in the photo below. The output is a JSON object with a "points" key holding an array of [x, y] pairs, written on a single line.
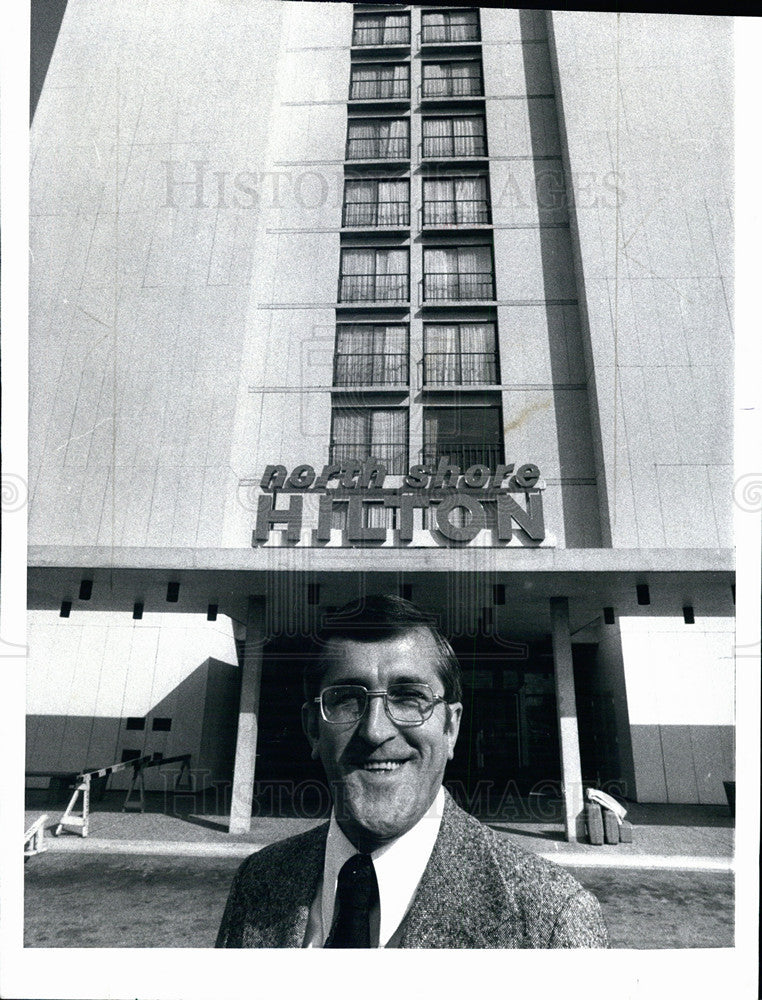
{"points": [[334, 299]]}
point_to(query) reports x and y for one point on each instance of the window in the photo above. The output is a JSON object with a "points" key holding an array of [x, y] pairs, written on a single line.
{"points": [[459, 354], [468, 435], [135, 722], [376, 203], [457, 274], [378, 139], [461, 135], [371, 275], [450, 26], [361, 433], [161, 725], [381, 29], [371, 354], [384, 81], [455, 201], [461, 78]]}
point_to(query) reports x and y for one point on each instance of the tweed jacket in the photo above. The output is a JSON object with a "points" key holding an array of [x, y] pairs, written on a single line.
{"points": [[478, 891]]}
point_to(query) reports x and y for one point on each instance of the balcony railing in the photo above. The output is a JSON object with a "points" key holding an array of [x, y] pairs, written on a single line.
{"points": [[391, 35], [376, 213], [378, 149], [463, 212], [464, 455], [370, 369], [448, 146], [460, 369], [379, 90], [454, 86], [462, 287], [392, 454], [374, 288], [432, 33]]}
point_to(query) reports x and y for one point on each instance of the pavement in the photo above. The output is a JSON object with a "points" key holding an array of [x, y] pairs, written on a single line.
{"points": [[689, 838]]}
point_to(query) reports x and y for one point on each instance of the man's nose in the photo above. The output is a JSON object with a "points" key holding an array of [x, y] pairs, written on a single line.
{"points": [[376, 725]]}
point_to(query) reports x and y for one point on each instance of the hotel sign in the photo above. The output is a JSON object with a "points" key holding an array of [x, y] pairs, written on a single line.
{"points": [[356, 486]]}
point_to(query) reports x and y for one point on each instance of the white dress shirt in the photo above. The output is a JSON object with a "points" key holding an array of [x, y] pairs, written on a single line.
{"points": [[399, 866]]}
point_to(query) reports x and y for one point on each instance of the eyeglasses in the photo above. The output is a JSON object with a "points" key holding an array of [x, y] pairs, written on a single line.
{"points": [[405, 704]]}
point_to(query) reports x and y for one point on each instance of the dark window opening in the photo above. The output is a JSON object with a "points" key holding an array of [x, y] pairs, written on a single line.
{"points": [[135, 722], [161, 725]]}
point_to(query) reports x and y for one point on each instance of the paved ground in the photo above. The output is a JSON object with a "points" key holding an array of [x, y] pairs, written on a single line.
{"points": [[157, 880], [141, 901]]}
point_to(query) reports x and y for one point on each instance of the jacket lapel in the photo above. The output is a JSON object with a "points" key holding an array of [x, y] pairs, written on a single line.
{"points": [[460, 901]]}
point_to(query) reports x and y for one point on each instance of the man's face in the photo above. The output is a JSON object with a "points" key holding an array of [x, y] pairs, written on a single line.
{"points": [[383, 776]]}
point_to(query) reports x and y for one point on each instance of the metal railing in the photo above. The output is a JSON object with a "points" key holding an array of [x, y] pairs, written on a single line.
{"points": [[388, 35], [379, 90], [464, 455], [453, 86], [461, 287], [376, 213], [374, 288], [460, 212], [378, 148], [391, 454], [370, 369], [450, 33], [448, 146], [465, 368]]}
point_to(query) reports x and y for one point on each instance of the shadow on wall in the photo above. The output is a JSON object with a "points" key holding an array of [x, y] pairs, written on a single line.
{"points": [[199, 716], [581, 513]]}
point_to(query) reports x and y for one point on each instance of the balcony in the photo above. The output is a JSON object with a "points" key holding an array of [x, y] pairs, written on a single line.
{"points": [[463, 455], [453, 147], [391, 454], [371, 370], [452, 87], [379, 90], [378, 148], [374, 288], [459, 369], [380, 37], [463, 212], [376, 215], [478, 286]]}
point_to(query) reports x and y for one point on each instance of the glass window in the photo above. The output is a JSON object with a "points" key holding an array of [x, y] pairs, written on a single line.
{"points": [[450, 26], [468, 435], [385, 81], [371, 354], [374, 275], [455, 201], [460, 354], [376, 203], [462, 78], [360, 433], [456, 135], [381, 29], [378, 139], [458, 273]]}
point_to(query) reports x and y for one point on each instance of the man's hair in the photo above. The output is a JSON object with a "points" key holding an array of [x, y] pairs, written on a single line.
{"points": [[374, 619]]}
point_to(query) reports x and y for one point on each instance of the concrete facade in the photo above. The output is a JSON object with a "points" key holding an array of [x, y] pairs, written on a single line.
{"points": [[186, 225]]}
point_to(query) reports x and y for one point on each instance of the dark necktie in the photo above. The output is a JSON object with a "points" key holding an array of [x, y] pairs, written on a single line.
{"points": [[356, 895]]}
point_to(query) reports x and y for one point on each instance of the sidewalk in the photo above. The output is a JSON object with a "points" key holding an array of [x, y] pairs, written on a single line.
{"points": [[698, 838]]}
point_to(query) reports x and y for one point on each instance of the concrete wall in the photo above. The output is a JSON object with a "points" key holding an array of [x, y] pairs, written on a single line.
{"points": [[87, 675], [647, 112]]}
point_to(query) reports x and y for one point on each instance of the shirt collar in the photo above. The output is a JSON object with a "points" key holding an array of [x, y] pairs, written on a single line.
{"points": [[399, 866]]}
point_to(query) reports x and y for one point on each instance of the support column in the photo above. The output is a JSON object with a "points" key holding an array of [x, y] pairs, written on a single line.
{"points": [[248, 717], [568, 732]]}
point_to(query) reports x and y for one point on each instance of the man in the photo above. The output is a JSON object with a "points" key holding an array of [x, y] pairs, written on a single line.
{"points": [[399, 864]]}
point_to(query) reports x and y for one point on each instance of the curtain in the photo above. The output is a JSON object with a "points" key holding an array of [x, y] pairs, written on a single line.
{"points": [[475, 272], [392, 138], [369, 29], [442, 354], [437, 201], [477, 347], [396, 29], [390, 355], [435, 79], [393, 203], [462, 25], [468, 135], [470, 199], [391, 275], [354, 350], [437, 137], [388, 439], [357, 269], [359, 203]]}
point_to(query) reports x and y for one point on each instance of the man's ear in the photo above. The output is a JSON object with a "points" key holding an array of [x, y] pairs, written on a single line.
{"points": [[452, 726], [311, 727]]}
